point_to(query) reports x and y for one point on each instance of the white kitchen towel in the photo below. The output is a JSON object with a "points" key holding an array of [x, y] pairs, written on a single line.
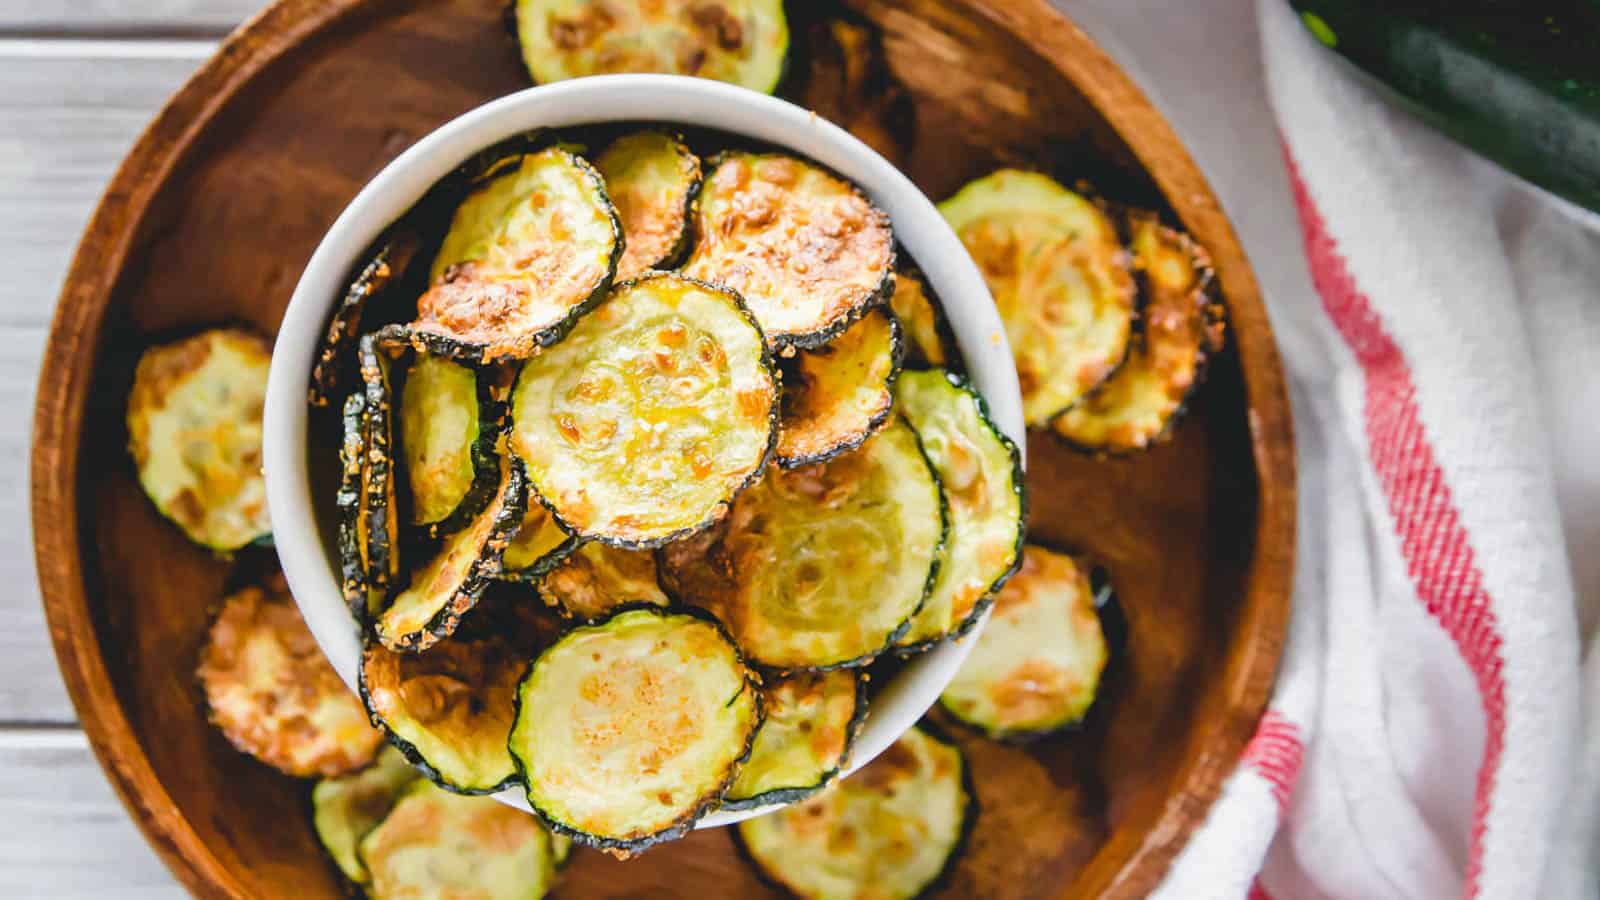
{"points": [[1441, 328]]}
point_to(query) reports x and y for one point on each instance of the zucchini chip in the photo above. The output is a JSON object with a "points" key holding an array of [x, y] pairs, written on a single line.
{"points": [[1136, 408], [344, 809], [1036, 667], [447, 586], [537, 547], [743, 42], [652, 178], [1060, 278], [649, 417], [449, 426], [631, 729], [888, 832], [194, 430], [812, 720], [805, 248], [449, 710], [272, 692], [980, 472], [596, 579], [352, 505], [388, 265], [840, 394], [380, 511], [823, 566], [438, 844], [530, 250], [929, 340]]}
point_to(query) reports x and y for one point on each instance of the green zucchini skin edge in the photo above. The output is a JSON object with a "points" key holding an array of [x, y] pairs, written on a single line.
{"points": [[720, 511], [387, 265], [796, 794], [878, 296], [940, 881], [474, 354], [686, 822], [382, 561], [1113, 625], [897, 352], [444, 622], [1215, 317], [414, 756], [1019, 487], [485, 455], [685, 240], [531, 575], [352, 574]]}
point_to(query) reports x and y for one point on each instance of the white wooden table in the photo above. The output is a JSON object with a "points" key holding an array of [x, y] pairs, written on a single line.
{"points": [[78, 81]]}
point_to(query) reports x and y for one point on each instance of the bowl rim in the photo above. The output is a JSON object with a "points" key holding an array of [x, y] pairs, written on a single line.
{"points": [[671, 100]]}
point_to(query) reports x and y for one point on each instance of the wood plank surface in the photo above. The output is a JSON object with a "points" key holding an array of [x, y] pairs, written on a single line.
{"points": [[123, 17]]}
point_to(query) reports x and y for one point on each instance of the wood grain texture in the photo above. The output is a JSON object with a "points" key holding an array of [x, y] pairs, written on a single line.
{"points": [[217, 208]]}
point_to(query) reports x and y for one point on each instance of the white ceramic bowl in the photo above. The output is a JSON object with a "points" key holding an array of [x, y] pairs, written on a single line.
{"points": [[654, 98]]}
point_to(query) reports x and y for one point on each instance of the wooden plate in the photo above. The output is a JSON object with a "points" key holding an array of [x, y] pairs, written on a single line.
{"points": [[221, 202]]}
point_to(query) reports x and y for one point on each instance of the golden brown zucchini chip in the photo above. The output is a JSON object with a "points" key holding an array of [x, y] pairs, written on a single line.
{"points": [[272, 692], [823, 566], [929, 342], [538, 546], [805, 248], [657, 409], [812, 720], [651, 178], [631, 729], [1183, 327], [345, 808], [980, 472], [838, 395], [450, 424], [596, 579], [381, 512], [438, 844], [194, 429], [352, 505], [449, 710], [1036, 667], [532, 248], [1060, 278], [888, 832], [387, 266], [448, 585], [743, 42]]}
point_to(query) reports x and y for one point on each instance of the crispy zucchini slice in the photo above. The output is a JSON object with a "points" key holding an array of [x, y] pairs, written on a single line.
{"points": [[840, 394], [805, 248], [438, 844], [387, 266], [380, 510], [345, 808], [888, 832], [596, 579], [530, 250], [351, 502], [449, 710], [538, 546], [651, 178], [450, 424], [823, 566], [194, 430], [980, 472], [929, 341], [631, 729], [448, 585], [812, 720], [1183, 327], [1036, 667], [650, 417], [743, 42], [1060, 278], [272, 692]]}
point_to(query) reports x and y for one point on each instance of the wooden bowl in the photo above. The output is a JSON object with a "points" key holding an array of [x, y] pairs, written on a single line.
{"points": [[215, 212]]}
